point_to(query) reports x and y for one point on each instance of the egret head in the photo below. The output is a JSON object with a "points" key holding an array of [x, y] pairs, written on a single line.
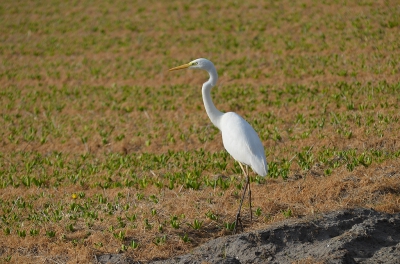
{"points": [[202, 64]]}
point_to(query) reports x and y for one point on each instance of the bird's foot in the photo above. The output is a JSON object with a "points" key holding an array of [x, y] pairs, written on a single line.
{"points": [[238, 221]]}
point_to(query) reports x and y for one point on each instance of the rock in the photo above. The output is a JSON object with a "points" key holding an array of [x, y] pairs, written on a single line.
{"points": [[113, 259], [348, 236]]}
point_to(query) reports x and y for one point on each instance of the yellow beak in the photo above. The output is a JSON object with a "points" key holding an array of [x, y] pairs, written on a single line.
{"points": [[184, 66]]}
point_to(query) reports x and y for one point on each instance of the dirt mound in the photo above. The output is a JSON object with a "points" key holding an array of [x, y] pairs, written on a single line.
{"points": [[349, 236]]}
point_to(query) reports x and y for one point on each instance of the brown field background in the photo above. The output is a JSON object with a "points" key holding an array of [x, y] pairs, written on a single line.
{"points": [[88, 105]]}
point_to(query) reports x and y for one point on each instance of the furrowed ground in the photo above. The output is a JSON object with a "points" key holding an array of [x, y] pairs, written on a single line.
{"points": [[102, 150]]}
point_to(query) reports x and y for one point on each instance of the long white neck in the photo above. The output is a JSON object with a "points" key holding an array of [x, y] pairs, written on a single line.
{"points": [[213, 113]]}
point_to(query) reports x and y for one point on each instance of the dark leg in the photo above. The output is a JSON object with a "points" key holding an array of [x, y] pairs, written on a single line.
{"points": [[246, 173], [248, 177], [238, 220]]}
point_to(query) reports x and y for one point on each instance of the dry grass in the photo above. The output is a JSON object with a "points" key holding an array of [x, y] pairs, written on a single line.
{"points": [[88, 108]]}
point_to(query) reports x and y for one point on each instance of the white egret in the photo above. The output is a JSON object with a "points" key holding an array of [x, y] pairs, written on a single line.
{"points": [[238, 136]]}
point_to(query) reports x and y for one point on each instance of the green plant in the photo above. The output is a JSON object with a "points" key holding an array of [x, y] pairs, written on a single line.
{"points": [[287, 213], [185, 238], [119, 235], [160, 240], [34, 232], [196, 224], [133, 244], [229, 226], [211, 216], [174, 222], [258, 211], [50, 233], [21, 233]]}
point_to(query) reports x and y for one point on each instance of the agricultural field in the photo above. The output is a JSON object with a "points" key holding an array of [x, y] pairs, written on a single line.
{"points": [[103, 150]]}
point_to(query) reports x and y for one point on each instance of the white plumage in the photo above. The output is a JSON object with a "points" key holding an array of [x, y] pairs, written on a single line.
{"points": [[238, 136], [242, 142]]}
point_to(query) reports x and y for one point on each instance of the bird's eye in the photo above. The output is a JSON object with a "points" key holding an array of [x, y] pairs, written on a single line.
{"points": [[195, 63]]}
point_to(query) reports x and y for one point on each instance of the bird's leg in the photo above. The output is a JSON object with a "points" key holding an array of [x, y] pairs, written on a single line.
{"points": [[251, 212], [238, 220], [246, 173]]}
